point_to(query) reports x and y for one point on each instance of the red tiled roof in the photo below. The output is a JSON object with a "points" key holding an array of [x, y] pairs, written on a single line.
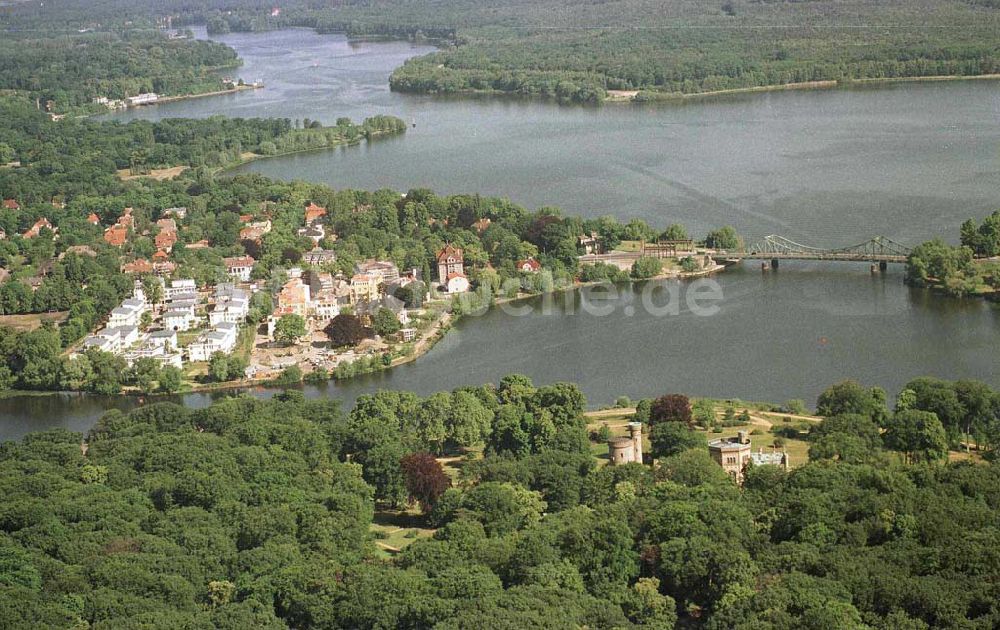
{"points": [[314, 212], [139, 265], [165, 239], [35, 229], [450, 251], [239, 261], [116, 235], [94, 219], [11, 204], [531, 263]]}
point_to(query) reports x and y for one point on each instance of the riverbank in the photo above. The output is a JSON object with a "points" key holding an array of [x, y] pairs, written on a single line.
{"points": [[629, 96], [186, 97]]}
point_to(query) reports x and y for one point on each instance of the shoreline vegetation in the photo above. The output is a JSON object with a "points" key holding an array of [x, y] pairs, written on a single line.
{"points": [[502, 501]]}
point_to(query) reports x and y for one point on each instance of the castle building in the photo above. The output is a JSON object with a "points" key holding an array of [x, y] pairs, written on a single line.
{"points": [[734, 454], [624, 450]]}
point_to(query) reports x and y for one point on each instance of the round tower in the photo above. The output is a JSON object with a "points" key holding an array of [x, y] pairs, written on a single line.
{"points": [[635, 431]]}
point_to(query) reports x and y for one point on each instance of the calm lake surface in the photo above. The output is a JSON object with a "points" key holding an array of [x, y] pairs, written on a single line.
{"points": [[823, 168]]}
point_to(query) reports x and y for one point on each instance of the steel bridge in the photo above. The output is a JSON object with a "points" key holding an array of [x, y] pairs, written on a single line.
{"points": [[879, 249]]}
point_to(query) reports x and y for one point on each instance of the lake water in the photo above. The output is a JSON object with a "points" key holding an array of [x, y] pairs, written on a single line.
{"points": [[825, 168]]}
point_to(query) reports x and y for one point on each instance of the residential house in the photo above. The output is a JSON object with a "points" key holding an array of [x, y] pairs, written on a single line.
{"points": [[313, 213], [481, 225], [104, 343], [11, 204], [126, 220], [384, 268], [163, 268], [179, 318], [165, 338], [231, 305], [314, 232], [128, 313], [167, 224], [165, 240], [591, 244], [239, 267], [326, 304], [529, 265], [222, 338], [139, 265], [255, 231], [294, 297], [319, 256], [158, 352], [451, 270], [93, 219], [365, 287], [116, 235], [121, 337], [39, 225], [179, 287], [178, 213]]}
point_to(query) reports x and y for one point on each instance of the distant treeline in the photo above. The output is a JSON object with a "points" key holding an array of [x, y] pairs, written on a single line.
{"points": [[72, 70], [576, 50]]}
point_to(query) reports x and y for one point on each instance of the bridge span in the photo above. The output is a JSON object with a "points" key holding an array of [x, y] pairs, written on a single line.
{"points": [[878, 249]]}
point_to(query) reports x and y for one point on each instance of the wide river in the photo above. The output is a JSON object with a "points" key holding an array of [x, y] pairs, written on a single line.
{"points": [[908, 161]]}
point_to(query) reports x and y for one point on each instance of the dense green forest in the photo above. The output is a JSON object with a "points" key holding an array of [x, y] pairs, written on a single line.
{"points": [[577, 50], [255, 513], [72, 70]]}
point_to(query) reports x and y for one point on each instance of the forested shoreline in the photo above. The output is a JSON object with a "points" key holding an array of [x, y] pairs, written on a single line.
{"points": [[577, 51], [264, 514]]}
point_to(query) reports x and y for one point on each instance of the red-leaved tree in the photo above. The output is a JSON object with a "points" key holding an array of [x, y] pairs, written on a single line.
{"points": [[426, 480], [670, 408]]}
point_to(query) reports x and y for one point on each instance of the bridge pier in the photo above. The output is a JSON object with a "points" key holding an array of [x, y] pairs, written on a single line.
{"points": [[774, 263], [883, 266]]}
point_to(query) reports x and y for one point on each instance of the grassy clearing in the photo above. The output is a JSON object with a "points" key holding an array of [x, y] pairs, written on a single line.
{"points": [[31, 321], [159, 174], [394, 530]]}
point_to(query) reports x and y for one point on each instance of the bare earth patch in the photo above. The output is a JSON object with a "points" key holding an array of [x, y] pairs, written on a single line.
{"points": [[158, 174], [25, 323]]}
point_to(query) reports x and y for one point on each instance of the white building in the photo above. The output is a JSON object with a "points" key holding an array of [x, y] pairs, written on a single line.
{"points": [[121, 337], [129, 313], [142, 99], [166, 339], [179, 318], [104, 344], [179, 287], [239, 267], [221, 339], [231, 305]]}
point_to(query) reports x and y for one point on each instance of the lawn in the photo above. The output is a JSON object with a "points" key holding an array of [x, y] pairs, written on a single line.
{"points": [[763, 422], [394, 530], [31, 321]]}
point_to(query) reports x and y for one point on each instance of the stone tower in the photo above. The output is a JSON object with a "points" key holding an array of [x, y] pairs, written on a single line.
{"points": [[635, 431], [623, 450]]}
